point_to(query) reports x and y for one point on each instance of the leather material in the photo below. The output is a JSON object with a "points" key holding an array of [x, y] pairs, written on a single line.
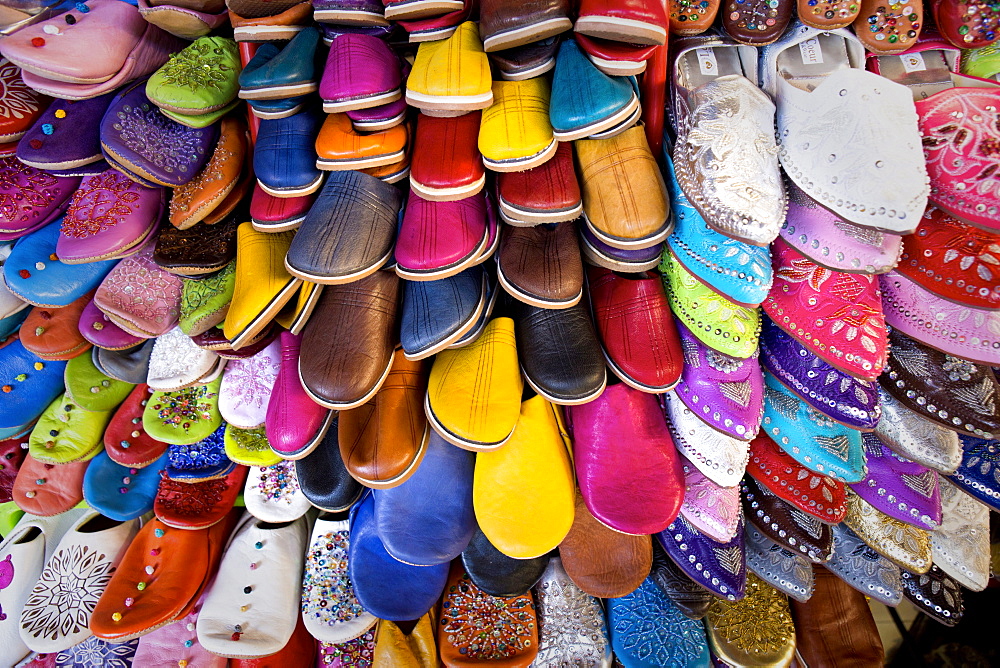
{"points": [[827, 15], [151, 146], [281, 72], [36, 197], [294, 424], [524, 493], [504, 27], [766, 612], [845, 398], [278, 213], [118, 30], [439, 239], [75, 140], [548, 193], [348, 233], [198, 250], [270, 481], [29, 383], [125, 439], [451, 74], [363, 317], [954, 392], [247, 388], [300, 650], [831, 241], [559, 353], [339, 146], [453, 167], [197, 505], [813, 439], [935, 594], [392, 647], [183, 416], [120, 492], [129, 364], [361, 72], [689, 18], [977, 475], [109, 216], [474, 393], [715, 320], [955, 329], [960, 25], [775, 564], [199, 79], [960, 546], [526, 61], [907, 546], [89, 387], [647, 629], [611, 479], [719, 567], [203, 196], [429, 518], [263, 285], [725, 392], [285, 155], [615, 58], [66, 433], [140, 297], [930, 254], [170, 593], [918, 439], [21, 105], [757, 23], [98, 329], [584, 99], [732, 268], [857, 198], [901, 489], [54, 334], [88, 552], [712, 509], [601, 561], [181, 21], [33, 276], [261, 628], [818, 495], [177, 362], [438, 313], [387, 588], [282, 25], [383, 441], [515, 133], [513, 624], [863, 568], [62, 489], [952, 188], [323, 477], [496, 573], [637, 22], [11, 457], [205, 301], [691, 598], [541, 265], [786, 525], [853, 337], [636, 328]]}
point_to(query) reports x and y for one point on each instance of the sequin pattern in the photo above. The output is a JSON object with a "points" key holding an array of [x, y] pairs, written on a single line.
{"points": [[185, 407], [100, 204], [170, 146], [357, 653]]}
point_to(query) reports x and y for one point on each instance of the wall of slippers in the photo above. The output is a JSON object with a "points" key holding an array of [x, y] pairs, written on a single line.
{"points": [[406, 333]]}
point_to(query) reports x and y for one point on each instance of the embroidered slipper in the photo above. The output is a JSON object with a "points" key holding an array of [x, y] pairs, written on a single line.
{"points": [[786, 571], [961, 545], [764, 609], [863, 568], [272, 493], [125, 439], [784, 524], [818, 495], [907, 546], [719, 567], [903, 490], [915, 438], [720, 457], [183, 416]]}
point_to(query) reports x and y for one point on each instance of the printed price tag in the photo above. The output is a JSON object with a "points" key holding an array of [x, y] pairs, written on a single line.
{"points": [[913, 62]]}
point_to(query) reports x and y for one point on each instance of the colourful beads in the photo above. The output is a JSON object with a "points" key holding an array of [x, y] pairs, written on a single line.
{"points": [[37, 42], [116, 616], [158, 533], [47, 128]]}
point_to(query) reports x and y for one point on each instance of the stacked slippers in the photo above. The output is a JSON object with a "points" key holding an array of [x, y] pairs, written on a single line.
{"points": [[407, 333]]}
